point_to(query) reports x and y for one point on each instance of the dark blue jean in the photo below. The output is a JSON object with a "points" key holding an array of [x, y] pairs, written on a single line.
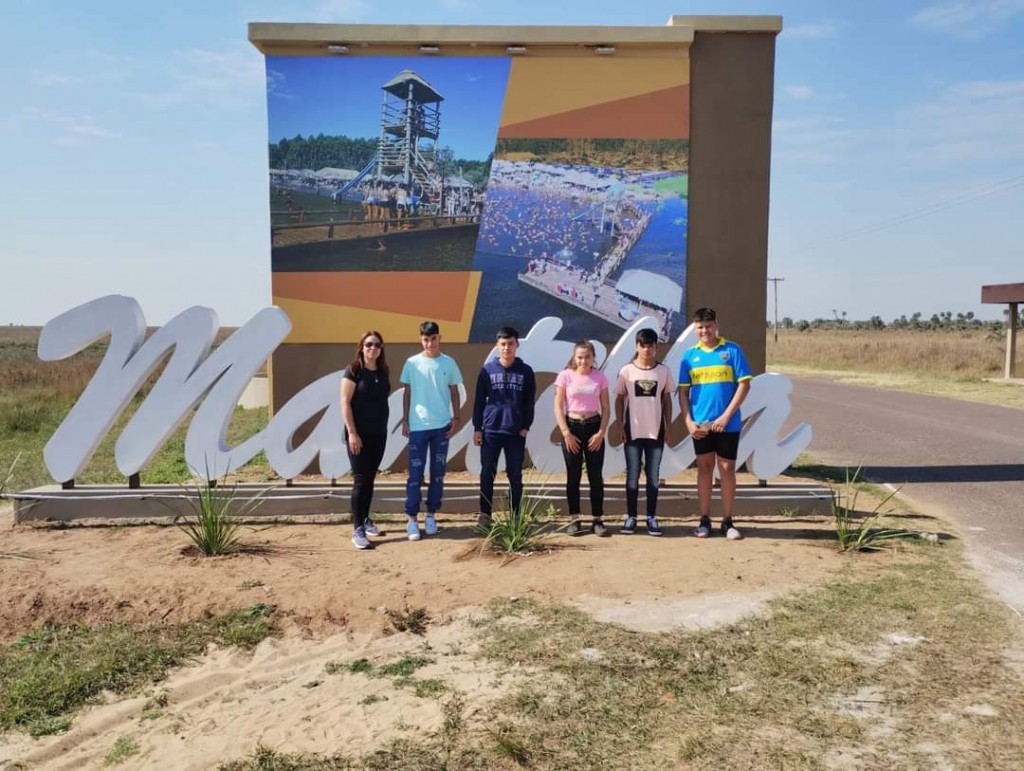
{"points": [[649, 451], [425, 447], [514, 447]]}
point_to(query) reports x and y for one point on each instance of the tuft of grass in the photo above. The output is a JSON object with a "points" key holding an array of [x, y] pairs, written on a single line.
{"points": [[251, 583], [853, 533], [217, 514], [49, 673], [408, 619], [123, 749], [515, 530], [404, 667]]}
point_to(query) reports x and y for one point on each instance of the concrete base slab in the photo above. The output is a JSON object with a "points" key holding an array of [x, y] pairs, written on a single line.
{"points": [[166, 502]]}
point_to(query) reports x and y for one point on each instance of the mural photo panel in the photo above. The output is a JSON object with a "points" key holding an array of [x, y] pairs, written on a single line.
{"points": [[490, 190]]}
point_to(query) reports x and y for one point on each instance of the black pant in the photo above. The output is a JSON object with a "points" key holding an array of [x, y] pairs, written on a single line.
{"points": [[364, 472], [583, 430]]}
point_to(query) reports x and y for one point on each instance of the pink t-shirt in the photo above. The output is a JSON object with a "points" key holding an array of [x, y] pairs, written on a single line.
{"points": [[582, 392], [643, 389]]}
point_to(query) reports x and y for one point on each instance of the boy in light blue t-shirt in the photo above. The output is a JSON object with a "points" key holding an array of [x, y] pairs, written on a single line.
{"points": [[430, 415]]}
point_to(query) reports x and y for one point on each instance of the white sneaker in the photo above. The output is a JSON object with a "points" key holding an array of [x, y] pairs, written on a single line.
{"points": [[412, 530], [733, 534]]}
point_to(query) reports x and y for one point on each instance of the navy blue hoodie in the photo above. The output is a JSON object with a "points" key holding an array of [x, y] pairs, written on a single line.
{"points": [[504, 397]]}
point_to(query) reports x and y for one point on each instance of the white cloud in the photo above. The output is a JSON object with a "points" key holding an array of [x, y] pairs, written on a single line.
{"points": [[48, 78], [798, 92], [811, 31], [68, 129], [201, 75], [967, 18], [975, 120], [816, 139]]}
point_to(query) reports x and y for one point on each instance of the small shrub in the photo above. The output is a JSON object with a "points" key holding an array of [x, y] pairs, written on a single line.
{"points": [[414, 620]]}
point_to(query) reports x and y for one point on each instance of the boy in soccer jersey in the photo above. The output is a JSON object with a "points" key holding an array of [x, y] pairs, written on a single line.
{"points": [[430, 415], [714, 379]]}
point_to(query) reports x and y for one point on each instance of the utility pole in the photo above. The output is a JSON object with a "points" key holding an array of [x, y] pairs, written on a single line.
{"points": [[775, 289]]}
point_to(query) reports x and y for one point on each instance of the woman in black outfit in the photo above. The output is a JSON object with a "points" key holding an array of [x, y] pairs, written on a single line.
{"points": [[365, 389]]}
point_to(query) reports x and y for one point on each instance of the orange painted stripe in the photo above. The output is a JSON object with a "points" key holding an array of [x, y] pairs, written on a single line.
{"points": [[437, 294], [659, 115], [542, 87]]}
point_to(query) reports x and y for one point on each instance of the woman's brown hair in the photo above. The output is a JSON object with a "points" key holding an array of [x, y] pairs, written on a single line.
{"points": [[357, 362]]}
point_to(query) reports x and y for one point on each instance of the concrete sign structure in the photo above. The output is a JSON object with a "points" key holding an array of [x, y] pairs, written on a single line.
{"points": [[482, 176]]}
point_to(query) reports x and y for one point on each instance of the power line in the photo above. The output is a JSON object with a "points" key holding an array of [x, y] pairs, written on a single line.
{"points": [[975, 195]]}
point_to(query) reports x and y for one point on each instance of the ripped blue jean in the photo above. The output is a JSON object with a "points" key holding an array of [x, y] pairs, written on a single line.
{"points": [[426, 447]]}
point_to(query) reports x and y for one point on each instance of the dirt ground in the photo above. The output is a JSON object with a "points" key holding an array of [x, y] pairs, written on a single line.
{"points": [[330, 599], [321, 584]]}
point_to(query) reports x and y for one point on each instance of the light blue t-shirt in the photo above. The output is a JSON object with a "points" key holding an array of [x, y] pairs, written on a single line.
{"points": [[428, 380]]}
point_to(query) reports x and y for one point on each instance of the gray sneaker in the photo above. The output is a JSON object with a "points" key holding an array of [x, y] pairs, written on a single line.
{"points": [[629, 526], [652, 526], [359, 539], [574, 528], [484, 523], [371, 528], [598, 528]]}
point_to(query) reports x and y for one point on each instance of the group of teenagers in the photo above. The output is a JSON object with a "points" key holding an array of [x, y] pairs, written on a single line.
{"points": [[713, 380]]}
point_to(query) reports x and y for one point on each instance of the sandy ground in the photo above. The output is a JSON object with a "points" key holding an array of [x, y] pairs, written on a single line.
{"points": [[330, 599]]}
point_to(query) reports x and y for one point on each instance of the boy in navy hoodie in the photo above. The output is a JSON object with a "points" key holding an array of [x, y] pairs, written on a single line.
{"points": [[502, 416]]}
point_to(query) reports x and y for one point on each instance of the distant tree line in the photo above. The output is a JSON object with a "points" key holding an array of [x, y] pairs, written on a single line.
{"points": [[654, 154], [944, 321], [341, 152]]}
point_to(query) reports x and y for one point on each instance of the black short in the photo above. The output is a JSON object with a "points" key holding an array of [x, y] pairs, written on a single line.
{"points": [[724, 444]]}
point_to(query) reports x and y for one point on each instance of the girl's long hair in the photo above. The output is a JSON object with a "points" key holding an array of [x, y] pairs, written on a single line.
{"points": [[357, 363], [575, 347]]}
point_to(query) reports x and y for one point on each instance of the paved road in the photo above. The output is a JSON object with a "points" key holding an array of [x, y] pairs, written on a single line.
{"points": [[958, 458]]}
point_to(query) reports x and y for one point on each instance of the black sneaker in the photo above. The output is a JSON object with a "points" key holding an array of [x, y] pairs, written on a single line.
{"points": [[729, 530], [574, 528], [652, 526], [703, 528], [598, 528], [629, 526]]}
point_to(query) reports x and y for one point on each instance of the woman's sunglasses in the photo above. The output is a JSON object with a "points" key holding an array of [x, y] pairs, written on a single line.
{"points": [[373, 345]]}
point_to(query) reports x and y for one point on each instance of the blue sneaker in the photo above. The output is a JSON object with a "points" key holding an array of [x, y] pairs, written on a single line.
{"points": [[629, 526], [652, 526], [412, 530], [370, 528], [429, 525]]}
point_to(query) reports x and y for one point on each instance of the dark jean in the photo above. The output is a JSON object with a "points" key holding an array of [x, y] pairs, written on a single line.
{"points": [[514, 447], [649, 450], [423, 445], [574, 462], [364, 472]]}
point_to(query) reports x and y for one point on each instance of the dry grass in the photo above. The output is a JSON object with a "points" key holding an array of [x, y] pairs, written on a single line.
{"points": [[941, 363], [974, 354]]}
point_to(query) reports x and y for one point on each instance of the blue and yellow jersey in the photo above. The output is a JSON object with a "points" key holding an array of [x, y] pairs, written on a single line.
{"points": [[712, 374]]}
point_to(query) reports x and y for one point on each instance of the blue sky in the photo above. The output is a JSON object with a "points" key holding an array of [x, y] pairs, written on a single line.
{"points": [[342, 96], [134, 141]]}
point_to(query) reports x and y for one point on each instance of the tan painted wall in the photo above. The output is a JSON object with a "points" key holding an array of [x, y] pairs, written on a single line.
{"points": [[732, 79]]}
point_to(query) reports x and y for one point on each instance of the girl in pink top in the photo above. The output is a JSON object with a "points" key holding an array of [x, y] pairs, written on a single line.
{"points": [[581, 411]]}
